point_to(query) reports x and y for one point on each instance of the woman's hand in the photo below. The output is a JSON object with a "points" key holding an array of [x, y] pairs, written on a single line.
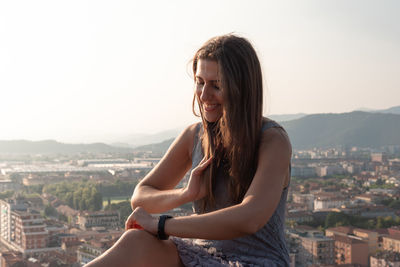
{"points": [[196, 188], [141, 219]]}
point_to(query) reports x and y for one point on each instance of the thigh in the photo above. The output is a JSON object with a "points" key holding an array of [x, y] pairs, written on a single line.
{"points": [[139, 248]]}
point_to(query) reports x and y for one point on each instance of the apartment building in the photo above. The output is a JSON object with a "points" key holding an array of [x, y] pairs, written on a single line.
{"points": [[107, 219], [316, 249], [28, 231], [309, 246], [326, 201], [304, 199], [21, 228], [89, 251], [369, 236], [350, 250], [385, 259], [391, 243]]}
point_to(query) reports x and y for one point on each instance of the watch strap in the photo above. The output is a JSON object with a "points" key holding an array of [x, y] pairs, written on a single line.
{"points": [[161, 227]]}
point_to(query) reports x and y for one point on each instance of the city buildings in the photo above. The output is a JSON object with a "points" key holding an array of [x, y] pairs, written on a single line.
{"points": [[385, 259], [108, 219], [350, 250], [309, 246], [351, 183], [21, 228]]}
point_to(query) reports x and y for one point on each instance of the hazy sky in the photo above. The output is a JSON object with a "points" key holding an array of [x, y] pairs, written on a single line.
{"points": [[80, 70]]}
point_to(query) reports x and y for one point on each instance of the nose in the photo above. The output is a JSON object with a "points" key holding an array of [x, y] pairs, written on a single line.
{"points": [[206, 93]]}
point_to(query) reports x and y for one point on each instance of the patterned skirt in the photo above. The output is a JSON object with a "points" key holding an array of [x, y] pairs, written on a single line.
{"points": [[193, 253]]}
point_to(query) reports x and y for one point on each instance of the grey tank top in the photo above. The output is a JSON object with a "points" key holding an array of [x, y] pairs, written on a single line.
{"points": [[266, 247]]}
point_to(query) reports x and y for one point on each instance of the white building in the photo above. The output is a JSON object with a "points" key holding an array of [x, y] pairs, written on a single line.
{"points": [[326, 201]]}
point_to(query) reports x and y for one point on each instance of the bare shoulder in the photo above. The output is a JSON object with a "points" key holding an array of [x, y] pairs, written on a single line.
{"points": [[188, 136], [192, 128], [275, 153], [276, 139]]}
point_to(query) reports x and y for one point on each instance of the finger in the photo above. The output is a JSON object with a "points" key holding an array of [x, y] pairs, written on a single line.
{"points": [[204, 159], [137, 209], [203, 165], [134, 223], [137, 226], [127, 225]]}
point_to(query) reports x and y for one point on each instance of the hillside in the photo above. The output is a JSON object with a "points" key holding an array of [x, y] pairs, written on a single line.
{"points": [[54, 147], [356, 128]]}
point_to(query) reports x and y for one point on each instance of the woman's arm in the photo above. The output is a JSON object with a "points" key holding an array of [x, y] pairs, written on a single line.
{"points": [[156, 193], [258, 205]]}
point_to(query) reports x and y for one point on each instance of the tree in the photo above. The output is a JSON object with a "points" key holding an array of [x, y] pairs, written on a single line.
{"points": [[6, 194], [330, 220], [334, 219], [63, 218], [50, 211], [395, 204], [379, 223]]}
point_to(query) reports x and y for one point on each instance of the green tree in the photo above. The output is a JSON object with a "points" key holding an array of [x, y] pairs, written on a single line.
{"points": [[50, 211], [63, 218], [334, 219], [395, 204], [6, 194], [379, 223]]}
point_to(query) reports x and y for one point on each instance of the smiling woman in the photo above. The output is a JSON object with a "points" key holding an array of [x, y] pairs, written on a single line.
{"points": [[240, 172], [208, 91]]}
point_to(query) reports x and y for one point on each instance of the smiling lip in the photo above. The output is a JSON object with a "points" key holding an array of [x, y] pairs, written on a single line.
{"points": [[209, 107]]}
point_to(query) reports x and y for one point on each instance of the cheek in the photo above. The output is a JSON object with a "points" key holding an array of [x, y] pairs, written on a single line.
{"points": [[198, 93], [220, 98]]}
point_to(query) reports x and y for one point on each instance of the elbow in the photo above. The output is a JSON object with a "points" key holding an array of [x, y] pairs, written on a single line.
{"points": [[252, 220], [134, 202], [135, 199], [251, 227]]}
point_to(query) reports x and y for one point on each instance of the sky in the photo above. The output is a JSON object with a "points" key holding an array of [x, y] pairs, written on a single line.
{"points": [[80, 70]]}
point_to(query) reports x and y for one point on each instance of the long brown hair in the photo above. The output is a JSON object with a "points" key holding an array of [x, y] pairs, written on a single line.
{"points": [[235, 136]]}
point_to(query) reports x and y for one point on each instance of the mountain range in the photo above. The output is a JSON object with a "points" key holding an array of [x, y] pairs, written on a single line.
{"points": [[54, 147], [375, 128], [357, 128], [289, 117]]}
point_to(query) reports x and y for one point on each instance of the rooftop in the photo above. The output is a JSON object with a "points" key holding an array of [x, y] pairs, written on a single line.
{"points": [[348, 240]]}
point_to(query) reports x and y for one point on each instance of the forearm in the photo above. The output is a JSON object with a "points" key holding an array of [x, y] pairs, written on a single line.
{"points": [[157, 201], [228, 223]]}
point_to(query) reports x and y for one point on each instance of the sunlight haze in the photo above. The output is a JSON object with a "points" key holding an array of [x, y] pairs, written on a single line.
{"points": [[77, 71]]}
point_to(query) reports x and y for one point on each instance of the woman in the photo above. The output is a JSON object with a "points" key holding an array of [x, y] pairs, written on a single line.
{"points": [[240, 174]]}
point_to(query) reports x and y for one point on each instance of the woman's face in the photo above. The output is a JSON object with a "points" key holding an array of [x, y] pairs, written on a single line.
{"points": [[208, 91]]}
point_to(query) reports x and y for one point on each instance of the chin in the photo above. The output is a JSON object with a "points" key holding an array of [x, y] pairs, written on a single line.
{"points": [[212, 116], [212, 119]]}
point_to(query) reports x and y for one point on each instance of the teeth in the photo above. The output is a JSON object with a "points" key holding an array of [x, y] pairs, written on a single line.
{"points": [[210, 106]]}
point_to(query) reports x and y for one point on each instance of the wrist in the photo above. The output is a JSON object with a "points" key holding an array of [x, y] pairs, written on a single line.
{"points": [[161, 227], [185, 195]]}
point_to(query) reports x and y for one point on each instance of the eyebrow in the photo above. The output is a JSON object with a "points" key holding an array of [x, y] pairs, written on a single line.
{"points": [[214, 81]]}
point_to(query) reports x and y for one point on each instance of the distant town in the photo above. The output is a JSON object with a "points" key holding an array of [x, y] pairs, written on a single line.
{"points": [[67, 209]]}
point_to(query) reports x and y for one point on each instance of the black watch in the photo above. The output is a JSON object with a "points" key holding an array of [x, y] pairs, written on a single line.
{"points": [[161, 225]]}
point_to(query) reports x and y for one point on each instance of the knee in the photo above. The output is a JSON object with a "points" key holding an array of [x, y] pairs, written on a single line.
{"points": [[137, 237]]}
